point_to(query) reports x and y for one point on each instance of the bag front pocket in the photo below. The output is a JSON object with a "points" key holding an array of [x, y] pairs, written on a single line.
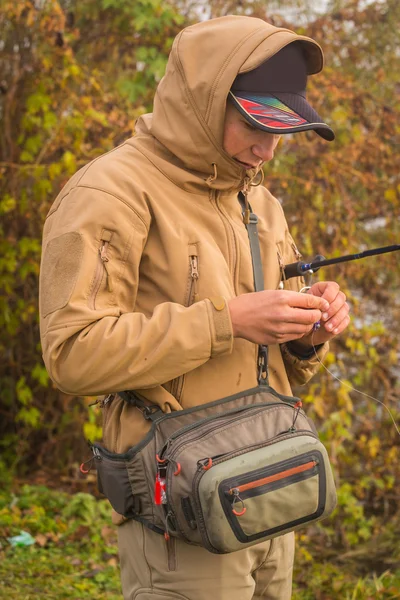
{"points": [[260, 503], [263, 493]]}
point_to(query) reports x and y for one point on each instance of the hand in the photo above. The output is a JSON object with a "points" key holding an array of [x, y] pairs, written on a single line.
{"points": [[276, 316], [334, 320]]}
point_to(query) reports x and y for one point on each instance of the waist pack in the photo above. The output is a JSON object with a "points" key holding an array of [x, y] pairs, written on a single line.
{"points": [[225, 475]]}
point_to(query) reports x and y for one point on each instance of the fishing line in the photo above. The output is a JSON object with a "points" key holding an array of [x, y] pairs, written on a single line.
{"points": [[353, 388]]}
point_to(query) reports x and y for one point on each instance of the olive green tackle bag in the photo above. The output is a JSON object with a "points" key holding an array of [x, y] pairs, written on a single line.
{"points": [[224, 475]]}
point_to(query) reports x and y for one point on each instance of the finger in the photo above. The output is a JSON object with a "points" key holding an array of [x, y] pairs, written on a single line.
{"points": [[325, 289], [307, 301], [295, 332], [334, 324], [303, 317], [335, 307]]}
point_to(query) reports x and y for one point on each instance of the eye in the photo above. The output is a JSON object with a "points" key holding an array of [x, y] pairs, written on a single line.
{"points": [[250, 126]]}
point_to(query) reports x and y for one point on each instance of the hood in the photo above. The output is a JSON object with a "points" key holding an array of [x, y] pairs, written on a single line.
{"points": [[190, 101]]}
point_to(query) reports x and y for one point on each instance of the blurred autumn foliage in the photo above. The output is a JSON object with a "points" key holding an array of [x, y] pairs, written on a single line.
{"points": [[74, 76]]}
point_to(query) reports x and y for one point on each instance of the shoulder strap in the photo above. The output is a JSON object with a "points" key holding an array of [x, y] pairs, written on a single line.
{"points": [[250, 220], [151, 412]]}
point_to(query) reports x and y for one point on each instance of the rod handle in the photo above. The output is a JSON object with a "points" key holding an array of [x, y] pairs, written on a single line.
{"points": [[298, 269]]}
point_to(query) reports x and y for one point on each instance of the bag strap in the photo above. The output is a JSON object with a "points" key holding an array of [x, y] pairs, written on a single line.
{"points": [[250, 220], [151, 412]]}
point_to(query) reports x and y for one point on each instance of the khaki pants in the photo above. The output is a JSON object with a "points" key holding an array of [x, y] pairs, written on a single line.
{"points": [[153, 569]]}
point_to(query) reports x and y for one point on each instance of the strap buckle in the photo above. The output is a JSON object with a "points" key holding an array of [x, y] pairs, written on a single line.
{"points": [[149, 411], [253, 219], [249, 218], [263, 365]]}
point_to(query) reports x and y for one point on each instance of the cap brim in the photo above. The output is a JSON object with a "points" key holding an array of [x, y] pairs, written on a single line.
{"points": [[280, 113]]}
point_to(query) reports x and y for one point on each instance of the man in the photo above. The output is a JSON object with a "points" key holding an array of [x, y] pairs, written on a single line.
{"points": [[147, 279]]}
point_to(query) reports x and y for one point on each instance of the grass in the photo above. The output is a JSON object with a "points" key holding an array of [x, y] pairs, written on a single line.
{"points": [[75, 554]]}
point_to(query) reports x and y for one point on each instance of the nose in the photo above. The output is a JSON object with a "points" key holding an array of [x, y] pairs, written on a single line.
{"points": [[265, 147]]}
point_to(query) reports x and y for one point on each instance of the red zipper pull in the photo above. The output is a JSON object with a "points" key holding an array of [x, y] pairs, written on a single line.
{"points": [[159, 490]]}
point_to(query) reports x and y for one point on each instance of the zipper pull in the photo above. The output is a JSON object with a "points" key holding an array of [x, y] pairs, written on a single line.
{"points": [[168, 518], [161, 456], [194, 270], [109, 398], [194, 274], [96, 453], [297, 406], [104, 258], [281, 284], [102, 403], [86, 466], [245, 191], [236, 494]]}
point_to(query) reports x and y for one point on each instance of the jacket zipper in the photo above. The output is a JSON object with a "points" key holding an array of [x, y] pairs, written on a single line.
{"points": [[106, 411], [104, 259], [232, 242], [194, 276], [296, 251], [281, 282], [277, 477], [102, 266], [192, 296]]}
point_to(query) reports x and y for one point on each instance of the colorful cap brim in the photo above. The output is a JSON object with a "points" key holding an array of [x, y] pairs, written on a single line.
{"points": [[280, 113]]}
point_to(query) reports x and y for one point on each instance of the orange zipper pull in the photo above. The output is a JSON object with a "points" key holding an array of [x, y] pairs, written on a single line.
{"points": [[236, 493]]}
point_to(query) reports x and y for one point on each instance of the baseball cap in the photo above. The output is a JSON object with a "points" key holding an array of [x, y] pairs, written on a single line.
{"points": [[272, 97]]}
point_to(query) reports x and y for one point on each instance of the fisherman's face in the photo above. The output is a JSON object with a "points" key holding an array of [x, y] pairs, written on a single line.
{"points": [[246, 144]]}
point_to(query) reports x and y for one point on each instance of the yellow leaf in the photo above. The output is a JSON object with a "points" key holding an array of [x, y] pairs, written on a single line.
{"points": [[374, 447], [391, 195]]}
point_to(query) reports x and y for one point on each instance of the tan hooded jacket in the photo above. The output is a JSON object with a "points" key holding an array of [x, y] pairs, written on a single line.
{"points": [[144, 247]]}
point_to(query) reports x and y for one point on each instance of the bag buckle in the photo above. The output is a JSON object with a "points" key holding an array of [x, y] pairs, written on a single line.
{"points": [[263, 365], [149, 411]]}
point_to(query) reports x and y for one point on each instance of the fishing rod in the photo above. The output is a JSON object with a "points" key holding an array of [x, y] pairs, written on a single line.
{"points": [[301, 268]]}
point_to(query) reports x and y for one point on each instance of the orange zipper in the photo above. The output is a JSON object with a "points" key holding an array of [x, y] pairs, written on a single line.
{"points": [[278, 476]]}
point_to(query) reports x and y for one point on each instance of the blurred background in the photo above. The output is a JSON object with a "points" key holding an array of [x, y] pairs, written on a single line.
{"points": [[74, 76]]}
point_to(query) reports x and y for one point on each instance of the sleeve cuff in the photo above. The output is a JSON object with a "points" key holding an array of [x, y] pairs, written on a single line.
{"points": [[302, 354], [221, 326], [300, 364]]}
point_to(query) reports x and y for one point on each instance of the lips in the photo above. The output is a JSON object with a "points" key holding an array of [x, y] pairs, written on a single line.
{"points": [[246, 165]]}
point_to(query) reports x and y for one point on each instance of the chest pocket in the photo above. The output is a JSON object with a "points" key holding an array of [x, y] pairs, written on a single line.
{"points": [[193, 276], [103, 271], [191, 296]]}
